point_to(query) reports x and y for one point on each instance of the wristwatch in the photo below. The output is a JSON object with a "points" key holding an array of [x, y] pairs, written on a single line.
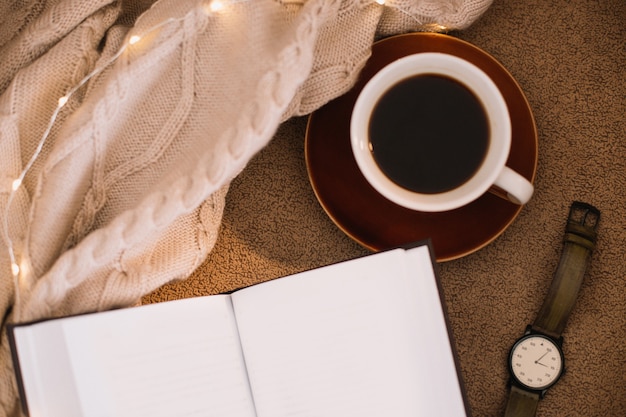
{"points": [[536, 360]]}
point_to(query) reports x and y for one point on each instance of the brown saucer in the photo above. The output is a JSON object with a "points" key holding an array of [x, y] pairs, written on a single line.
{"points": [[375, 222]]}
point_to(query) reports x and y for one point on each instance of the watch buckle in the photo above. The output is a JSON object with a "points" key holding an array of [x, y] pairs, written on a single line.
{"points": [[582, 223], [584, 214]]}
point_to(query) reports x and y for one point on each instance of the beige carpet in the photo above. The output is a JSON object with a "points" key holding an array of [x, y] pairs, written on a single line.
{"points": [[570, 59]]}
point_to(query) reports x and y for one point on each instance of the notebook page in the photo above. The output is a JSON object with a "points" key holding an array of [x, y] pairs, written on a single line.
{"points": [[345, 340], [47, 379], [180, 358], [443, 389]]}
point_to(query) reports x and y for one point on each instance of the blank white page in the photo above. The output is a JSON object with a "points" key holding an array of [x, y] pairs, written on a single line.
{"points": [[443, 391], [350, 340], [45, 368], [180, 358]]}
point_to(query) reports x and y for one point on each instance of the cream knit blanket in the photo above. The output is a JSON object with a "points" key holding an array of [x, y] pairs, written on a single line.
{"points": [[124, 184]]}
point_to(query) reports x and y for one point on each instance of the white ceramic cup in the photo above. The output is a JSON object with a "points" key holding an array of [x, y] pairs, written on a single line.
{"points": [[492, 174]]}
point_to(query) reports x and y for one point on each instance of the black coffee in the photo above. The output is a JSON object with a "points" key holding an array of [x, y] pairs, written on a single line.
{"points": [[429, 133]]}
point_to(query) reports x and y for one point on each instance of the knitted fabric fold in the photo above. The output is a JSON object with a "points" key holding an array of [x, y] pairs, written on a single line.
{"points": [[127, 190]]}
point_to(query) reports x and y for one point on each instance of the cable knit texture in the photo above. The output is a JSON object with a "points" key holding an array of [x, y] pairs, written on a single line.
{"points": [[128, 191]]}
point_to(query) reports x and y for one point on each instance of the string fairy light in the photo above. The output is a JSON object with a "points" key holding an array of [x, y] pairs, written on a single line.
{"points": [[421, 27], [209, 8]]}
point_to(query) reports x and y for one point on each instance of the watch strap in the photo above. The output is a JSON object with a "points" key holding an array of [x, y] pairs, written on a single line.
{"points": [[521, 403], [578, 245]]}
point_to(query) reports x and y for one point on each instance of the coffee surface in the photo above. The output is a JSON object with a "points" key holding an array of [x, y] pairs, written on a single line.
{"points": [[429, 133]]}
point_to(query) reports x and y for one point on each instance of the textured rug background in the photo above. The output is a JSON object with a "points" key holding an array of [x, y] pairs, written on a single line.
{"points": [[570, 59]]}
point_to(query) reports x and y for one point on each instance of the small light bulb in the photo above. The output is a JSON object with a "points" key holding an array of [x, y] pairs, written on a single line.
{"points": [[15, 269], [215, 6], [63, 100], [435, 27], [16, 184], [134, 39]]}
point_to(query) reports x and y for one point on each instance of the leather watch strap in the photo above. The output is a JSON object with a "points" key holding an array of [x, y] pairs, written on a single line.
{"points": [[579, 243], [521, 403]]}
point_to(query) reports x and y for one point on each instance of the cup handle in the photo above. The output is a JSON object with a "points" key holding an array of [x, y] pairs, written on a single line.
{"points": [[517, 188]]}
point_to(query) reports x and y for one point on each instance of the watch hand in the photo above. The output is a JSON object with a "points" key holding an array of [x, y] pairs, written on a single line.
{"points": [[542, 356]]}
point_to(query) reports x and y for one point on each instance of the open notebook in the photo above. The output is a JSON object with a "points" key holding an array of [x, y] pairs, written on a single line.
{"points": [[366, 337]]}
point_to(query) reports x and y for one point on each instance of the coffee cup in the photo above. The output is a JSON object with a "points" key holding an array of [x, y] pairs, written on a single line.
{"points": [[432, 132]]}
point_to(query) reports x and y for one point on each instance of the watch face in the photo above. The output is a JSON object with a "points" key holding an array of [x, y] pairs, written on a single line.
{"points": [[536, 362]]}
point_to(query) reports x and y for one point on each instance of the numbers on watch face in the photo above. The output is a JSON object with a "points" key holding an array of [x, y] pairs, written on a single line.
{"points": [[536, 362]]}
